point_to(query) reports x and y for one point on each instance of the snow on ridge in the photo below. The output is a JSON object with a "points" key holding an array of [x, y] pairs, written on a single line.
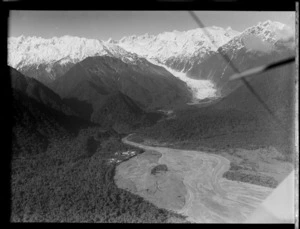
{"points": [[271, 30], [261, 37], [200, 89], [183, 45], [188, 44], [24, 51]]}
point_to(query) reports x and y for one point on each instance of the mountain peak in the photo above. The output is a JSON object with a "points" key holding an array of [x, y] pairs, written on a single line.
{"points": [[268, 25], [271, 31], [216, 27], [273, 25], [24, 51], [172, 45], [111, 41], [52, 57], [177, 50], [264, 37]]}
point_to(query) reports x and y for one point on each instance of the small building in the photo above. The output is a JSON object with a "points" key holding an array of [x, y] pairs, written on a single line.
{"points": [[112, 160], [132, 153], [125, 153]]}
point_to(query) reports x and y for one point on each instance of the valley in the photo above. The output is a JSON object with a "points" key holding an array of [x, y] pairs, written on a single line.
{"points": [[61, 168], [191, 185], [149, 128]]}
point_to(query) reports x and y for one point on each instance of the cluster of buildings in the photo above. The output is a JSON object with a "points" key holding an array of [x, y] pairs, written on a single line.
{"points": [[114, 160], [126, 154]]}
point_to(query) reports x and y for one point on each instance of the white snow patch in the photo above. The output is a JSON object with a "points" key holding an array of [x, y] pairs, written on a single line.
{"points": [[201, 89], [183, 45]]}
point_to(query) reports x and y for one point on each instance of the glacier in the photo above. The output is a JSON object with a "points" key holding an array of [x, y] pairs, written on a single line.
{"points": [[201, 89], [176, 51]]}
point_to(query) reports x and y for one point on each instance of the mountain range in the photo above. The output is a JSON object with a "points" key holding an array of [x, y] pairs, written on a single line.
{"points": [[190, 52], [238, 120], [39, 115], [258, 45], [165, 71], [74, 99]]}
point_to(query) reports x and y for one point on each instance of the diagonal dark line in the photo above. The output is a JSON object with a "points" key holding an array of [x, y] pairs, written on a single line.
{"points": [[282, 62], [198, 21], [262, 102], [261, 69], [194, 16]]}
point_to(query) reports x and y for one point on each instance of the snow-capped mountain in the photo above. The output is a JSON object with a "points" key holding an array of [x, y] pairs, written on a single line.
{"points": [[194, 57], [96, 77], [178, 50], [47, 59], [189, 55], [263, 37], [264, 43], [25, 51]]}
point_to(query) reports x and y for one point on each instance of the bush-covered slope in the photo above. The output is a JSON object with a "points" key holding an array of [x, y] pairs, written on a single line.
{"points": [[239, 119]]}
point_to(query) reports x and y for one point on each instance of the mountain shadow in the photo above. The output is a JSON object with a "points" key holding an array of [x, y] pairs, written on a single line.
{"points": [[239, 120], [39, 116], [82, 108], [149, 85], [122, 113]]}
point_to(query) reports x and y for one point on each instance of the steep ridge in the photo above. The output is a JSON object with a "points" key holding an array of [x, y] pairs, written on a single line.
{"points": [[56, 160], [35, 124], [95, 78], [48, 59], [261, 44], [37, 91], [118, 111], [121, 113], [189, 55], [112, 110], [52, 153], [178, 50], [238, 120]]}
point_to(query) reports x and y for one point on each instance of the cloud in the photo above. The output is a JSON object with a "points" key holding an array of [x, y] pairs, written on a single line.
{"points": [[256, 43], [285, 33]]}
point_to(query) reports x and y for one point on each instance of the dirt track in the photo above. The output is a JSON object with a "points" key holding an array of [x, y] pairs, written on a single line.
{"points": [[192, 186]]}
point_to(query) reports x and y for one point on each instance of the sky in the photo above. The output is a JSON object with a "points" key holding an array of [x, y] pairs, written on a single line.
{"points": [[117, 24]]}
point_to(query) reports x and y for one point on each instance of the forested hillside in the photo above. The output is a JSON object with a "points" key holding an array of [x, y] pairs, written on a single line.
{"points": [[61, 170], [239, 119], [72, 181]]}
